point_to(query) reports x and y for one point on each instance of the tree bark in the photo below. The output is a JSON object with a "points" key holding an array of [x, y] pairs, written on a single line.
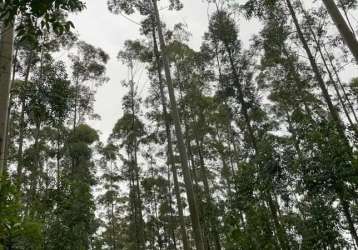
{"points": [[180, 140], [341, 84], [342, 27], [6, 48], [334, 114], [318, 44], [170, 148]]}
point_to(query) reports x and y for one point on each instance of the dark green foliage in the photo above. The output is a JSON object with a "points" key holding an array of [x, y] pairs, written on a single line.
{"points": [[268, 166]]}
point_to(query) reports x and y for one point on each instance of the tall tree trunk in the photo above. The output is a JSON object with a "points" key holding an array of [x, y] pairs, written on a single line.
{"points": [[22, 124], [318, 44], [174, 170], [211, 207], [346, 97], [6, 48], [21, 143], [347, 213], [280, 231], [244, 107], [8, 136], [138, 200], [334, 114], [180, 140], [342, 27]]}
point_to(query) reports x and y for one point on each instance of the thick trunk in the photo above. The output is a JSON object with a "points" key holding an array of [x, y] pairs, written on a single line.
{"points": [[342, 27], [180, 140], [174, 170], [6, 48]]}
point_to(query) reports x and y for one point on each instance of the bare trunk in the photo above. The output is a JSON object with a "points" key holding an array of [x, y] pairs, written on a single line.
{"points": [[6, 48], [346, 97], [318, 44], [342, 27], [347, 213], [213, 220], [334, 114], [180, 140], [174, 170]]}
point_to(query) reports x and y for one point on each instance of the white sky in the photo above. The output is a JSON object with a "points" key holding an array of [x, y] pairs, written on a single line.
{"points": [[97, 26]]}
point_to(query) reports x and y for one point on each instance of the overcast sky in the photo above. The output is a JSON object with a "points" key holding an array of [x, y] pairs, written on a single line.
{"points": [[97, 26]]}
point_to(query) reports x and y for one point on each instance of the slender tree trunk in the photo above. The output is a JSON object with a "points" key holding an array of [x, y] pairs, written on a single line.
{"points": [[138, 200], [22, 125], [6, 48], [342, 27], [341, 84], [75, 111], [318, 44], [180, 140], [334, 114], [171, 160], [212, 209], [347, 213], [290, 67], [9, 109], [282, 236], [244, 108], [21, 143], [346, 16]]}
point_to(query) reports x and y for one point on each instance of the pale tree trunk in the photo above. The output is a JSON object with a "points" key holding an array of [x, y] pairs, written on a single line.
{"points": [[180, 140], [347, 35], [341, 84], [319, 47], [6, 48], [334, 114], [183, 233]]}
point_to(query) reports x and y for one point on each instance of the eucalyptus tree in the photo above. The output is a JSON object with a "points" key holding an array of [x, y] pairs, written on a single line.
{"points": [[222, 31], [343, 28], [128, 133], [333, 123], [295, 104], [179, 136], [192, 78], [147, 8], [111, 199], [72, 223], [36, 18], [6, 46], [170, 148], [88, 67]]}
